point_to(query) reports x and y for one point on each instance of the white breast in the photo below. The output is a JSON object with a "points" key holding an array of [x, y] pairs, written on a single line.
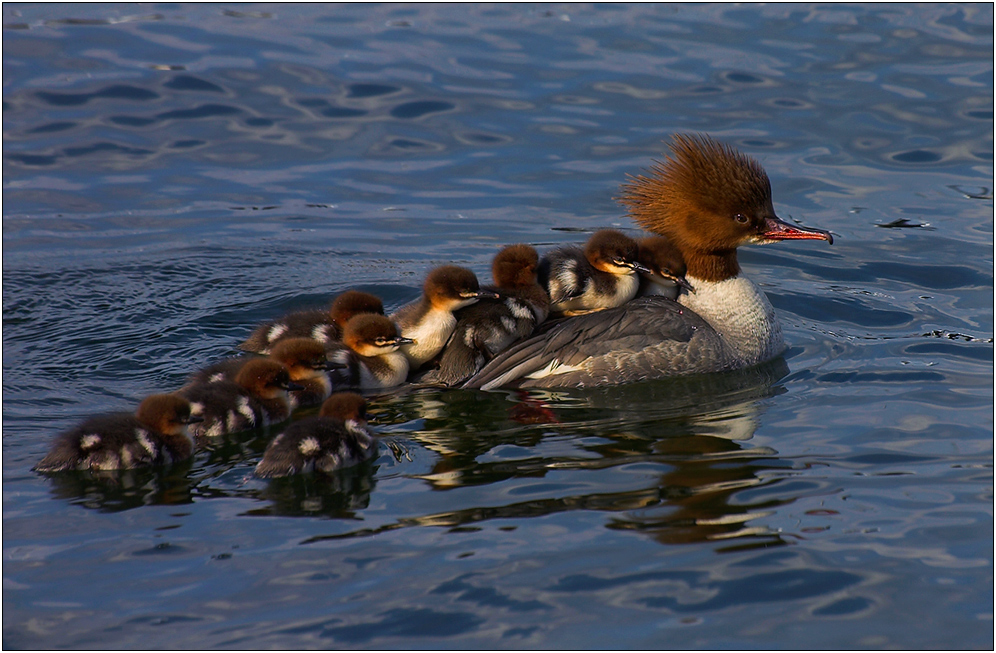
{"points": [[430, 334], [741, 313], [397, 372]]}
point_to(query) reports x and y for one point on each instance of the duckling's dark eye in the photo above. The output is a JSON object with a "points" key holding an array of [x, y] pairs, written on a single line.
{"points": [[741, 218]]}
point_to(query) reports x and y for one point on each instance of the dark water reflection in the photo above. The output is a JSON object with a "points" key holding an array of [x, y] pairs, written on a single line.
{"points": [[175, 174]]}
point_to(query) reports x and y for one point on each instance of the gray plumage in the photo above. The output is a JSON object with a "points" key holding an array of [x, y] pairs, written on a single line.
{"points": [[649, 338]]}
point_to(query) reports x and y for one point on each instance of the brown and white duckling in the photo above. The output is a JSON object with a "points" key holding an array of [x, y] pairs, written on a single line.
{"points": [[323, 326], [369, 356], [256, 398], [602, 275], [429, 320], [156, 433], [666, 267], [486, 328], [304, 358], [335, 438]]}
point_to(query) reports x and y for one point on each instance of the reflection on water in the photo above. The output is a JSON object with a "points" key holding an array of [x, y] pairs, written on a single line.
{"points": [[117, 490], [664, 425], [696, 430]]}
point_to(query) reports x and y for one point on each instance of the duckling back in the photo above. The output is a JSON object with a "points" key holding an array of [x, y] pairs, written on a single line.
{"points": [[155, 434], [322, 326], [337, 437], [257, 398]]}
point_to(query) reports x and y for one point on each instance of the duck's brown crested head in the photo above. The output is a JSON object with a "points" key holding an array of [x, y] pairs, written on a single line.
{"points": [[708, 199]]}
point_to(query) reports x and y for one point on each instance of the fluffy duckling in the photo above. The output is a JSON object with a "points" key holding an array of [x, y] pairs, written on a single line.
{"points": [[308, 365], [429, 320], [304, 358], [666, 267], [256, 398], [369, 358], [323, 326], [486, 328], [600, 276], [156, 433], [335, 438]]}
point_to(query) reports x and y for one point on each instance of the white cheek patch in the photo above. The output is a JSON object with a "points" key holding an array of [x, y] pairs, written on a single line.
{"points": [[216, 377], [89, 441], [196, 408], [309, 447], [360, 433]]}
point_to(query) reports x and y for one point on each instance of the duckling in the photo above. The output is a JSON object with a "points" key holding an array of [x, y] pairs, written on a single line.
{"points": [[323, 326], [486, 328], [256, 398], [335, 438], [308, 366], [369, 355], [667, 268], [429, 320], [304, 358], [602, 275], [156, 433]]}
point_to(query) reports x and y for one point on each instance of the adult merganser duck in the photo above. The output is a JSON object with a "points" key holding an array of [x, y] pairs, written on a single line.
{"points": [[708, 199], [156, 433], [368, 356], [486, 328], [428, 321], [600, 276], [335, 438], [323, 326], [667, 268], [256, 398]]}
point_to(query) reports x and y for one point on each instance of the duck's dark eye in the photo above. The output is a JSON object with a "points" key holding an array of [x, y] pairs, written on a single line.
{"points": [[741, 218]]}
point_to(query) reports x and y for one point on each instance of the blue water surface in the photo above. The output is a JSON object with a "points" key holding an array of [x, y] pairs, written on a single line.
{"points": [[175, 174]]}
